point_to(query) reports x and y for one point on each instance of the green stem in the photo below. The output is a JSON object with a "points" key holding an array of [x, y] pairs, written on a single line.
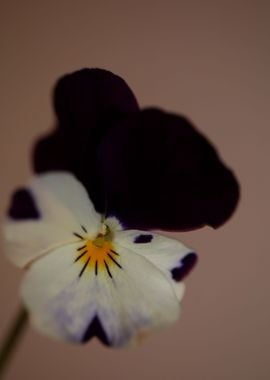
{"points": [[12, 339]]}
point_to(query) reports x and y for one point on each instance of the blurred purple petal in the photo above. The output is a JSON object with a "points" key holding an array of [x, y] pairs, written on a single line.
{"points": [[87, 103], [150, 169], [160, 173], [87, 96]]}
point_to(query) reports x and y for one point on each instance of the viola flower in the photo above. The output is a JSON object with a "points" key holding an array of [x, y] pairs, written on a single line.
{"points": [[107, 176], [87, 276]]}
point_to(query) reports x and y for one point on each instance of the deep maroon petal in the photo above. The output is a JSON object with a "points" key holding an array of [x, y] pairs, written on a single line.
{"points": [[159, 172], [87, 104], [87, 96], [151, 169]]}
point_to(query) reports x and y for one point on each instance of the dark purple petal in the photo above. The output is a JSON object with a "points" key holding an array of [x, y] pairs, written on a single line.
{"points": [[85, 97], [23, 206], [95, 329], [87, 103], [149, 168], [185, 266], [159, 172], [64, 150]]}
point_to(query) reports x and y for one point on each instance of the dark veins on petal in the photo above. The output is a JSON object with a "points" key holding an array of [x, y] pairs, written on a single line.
{"points": [[95, 329], [186, 265], [151, 169], [23, 206], [161, 173]]}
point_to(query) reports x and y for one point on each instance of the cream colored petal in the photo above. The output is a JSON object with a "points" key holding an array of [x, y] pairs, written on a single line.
{"points": [[66, 213], [136, 301], [60, 302], [63, 200], [130, 299]]}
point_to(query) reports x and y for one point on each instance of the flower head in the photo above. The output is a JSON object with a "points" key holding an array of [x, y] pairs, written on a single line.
{"points": [[107, 177], [86, 275]]}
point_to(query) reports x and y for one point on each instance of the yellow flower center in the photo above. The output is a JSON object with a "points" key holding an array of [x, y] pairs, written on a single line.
{"points": [[97, 255]]}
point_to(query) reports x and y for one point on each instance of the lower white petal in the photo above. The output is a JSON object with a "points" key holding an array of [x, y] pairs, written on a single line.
{"points": [[139, 296], [129, 296]]}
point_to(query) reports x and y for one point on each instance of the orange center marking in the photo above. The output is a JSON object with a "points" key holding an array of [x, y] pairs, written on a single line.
{"points": [[97, 254]]}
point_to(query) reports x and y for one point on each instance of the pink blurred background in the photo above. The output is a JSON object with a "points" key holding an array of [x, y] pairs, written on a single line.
{"points": [[208, 60]]}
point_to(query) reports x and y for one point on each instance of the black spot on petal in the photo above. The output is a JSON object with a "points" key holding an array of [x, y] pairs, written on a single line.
{"points": [[186, 265], [95, 329], [23, 206], [143, 239]]}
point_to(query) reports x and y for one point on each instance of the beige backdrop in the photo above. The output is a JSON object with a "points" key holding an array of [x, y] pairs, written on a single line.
{"points": [[209, 60]]}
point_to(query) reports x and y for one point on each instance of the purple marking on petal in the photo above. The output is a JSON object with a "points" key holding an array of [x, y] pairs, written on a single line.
{"points": [[95, 329], [143, 239], [186, 265], [23, 206]]}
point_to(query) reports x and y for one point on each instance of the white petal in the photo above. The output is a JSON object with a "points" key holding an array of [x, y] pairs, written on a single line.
{"points": [[134, 299], [64, 208], [138, 300], [62, 199], [61, 304], [165, 253]]}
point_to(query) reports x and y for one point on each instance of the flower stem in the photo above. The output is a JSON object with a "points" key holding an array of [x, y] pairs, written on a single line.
{"points": [[12, 338]]}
